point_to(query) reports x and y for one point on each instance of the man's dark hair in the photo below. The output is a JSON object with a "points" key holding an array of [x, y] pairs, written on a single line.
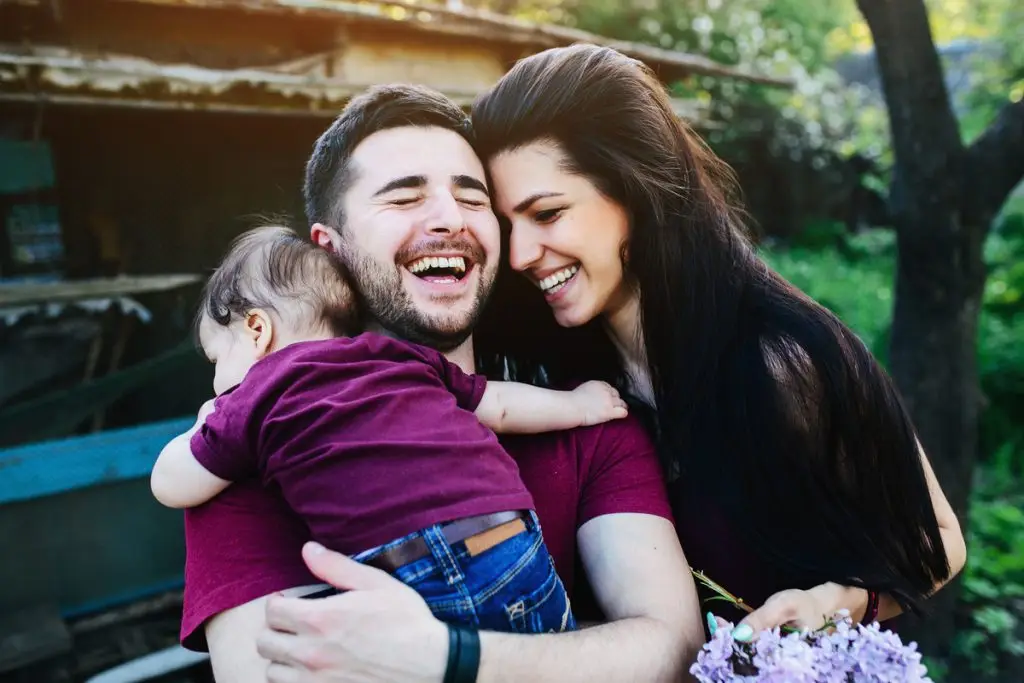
{"points": [[328, 171]]}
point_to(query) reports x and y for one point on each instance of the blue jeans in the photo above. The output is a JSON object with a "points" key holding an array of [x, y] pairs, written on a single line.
{"points": [[510, 587]]}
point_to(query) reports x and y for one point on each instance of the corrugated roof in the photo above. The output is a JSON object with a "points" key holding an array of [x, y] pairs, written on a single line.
{"points": [[492, 26], [62, 75]]}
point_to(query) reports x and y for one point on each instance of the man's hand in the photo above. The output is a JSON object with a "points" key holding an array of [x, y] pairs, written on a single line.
{"points": [[379, 631], [597, 402]]}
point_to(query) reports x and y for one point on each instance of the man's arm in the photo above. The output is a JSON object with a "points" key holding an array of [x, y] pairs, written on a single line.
{"points": [[231, 638], [513, 408], [638, 573], [643, 584]]}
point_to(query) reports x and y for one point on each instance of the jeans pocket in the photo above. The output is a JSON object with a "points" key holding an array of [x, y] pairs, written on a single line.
{"points": [[544, 609]]}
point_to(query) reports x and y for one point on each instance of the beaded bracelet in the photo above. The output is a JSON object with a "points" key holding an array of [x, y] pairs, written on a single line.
{"points": [[871, 614]]}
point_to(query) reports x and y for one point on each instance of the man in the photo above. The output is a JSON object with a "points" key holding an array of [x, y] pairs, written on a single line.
{"points": [[393, 181]]}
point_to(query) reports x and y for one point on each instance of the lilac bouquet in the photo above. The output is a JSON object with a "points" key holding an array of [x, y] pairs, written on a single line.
{"points": [[839, 652]]}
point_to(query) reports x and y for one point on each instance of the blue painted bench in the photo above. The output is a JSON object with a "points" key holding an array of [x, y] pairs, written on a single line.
{"points": [[79, 525], [53, 467]]}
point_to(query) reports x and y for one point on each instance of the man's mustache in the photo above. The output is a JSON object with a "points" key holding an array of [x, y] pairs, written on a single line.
{"points": [[468, 249]]}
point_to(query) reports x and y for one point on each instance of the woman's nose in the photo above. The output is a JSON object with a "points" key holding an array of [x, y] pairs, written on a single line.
{"points": [[525, 248]]}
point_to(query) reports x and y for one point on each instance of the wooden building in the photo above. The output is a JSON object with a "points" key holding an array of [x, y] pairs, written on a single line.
{"points": [[173, 122]]}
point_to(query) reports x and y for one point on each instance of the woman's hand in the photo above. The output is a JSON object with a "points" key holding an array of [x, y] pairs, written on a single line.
{"points": [[800, 609], [380, 631]]}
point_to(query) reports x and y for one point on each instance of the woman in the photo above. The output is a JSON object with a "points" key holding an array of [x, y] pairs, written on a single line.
{"points": [[795, 475]]}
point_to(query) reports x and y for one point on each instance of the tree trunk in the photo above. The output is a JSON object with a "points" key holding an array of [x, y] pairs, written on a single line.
{"points": [[933, 361], [940, 274]]}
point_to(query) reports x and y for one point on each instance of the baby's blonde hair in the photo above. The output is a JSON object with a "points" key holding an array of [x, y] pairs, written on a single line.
{"points": [[275, 269]]}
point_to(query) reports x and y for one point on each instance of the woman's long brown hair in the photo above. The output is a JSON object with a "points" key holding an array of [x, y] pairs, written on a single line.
{"points": [[763, 396]]}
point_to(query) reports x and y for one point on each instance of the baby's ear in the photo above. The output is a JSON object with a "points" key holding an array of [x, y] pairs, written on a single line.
{"points": [[260, 329]]}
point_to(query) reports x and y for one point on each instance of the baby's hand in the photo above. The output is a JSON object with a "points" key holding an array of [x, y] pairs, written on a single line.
{"points": [[598, 402]]}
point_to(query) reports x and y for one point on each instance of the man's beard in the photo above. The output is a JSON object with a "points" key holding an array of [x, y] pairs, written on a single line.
{"points": [[386, 302]]}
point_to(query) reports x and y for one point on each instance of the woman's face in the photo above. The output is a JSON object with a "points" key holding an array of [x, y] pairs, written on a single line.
{"points": [[567, 237]]}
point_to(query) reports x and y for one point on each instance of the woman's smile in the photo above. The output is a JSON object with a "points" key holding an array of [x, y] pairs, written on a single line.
{"points": [[557, 282]]}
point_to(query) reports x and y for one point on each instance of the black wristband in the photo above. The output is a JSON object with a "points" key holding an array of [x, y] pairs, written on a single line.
{"points": [[454, 642], [463, 655]]}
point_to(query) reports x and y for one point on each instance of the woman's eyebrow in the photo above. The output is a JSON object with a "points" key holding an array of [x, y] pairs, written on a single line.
{"points": [[536, 197]]}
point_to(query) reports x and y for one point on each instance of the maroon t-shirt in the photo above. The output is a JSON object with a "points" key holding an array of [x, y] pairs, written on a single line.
{"points": [[246, 543], [368, 438]]}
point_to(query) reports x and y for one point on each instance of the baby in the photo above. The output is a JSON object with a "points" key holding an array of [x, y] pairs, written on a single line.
{"points": [[381, 446]]}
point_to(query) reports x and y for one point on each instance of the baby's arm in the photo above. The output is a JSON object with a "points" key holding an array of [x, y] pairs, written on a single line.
{"points": [[510, 407], [178, 480]]}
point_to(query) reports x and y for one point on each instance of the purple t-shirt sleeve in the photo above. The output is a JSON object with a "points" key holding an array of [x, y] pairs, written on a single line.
{"points": [[222, 445], [467, 389], [242, 545], [623, 472]]}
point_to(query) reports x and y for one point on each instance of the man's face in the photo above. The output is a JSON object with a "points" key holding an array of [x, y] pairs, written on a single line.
{"points": [[419, 239]]}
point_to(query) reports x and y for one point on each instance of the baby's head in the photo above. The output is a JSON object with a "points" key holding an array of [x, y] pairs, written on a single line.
{"points": [[272, 289]]}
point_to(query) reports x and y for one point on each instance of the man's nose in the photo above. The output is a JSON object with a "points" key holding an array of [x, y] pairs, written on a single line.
{"points": [[445, 216]]}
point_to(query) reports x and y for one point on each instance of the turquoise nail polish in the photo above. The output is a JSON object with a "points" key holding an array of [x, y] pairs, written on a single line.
{"points": [[712, 623], [743, 633]]}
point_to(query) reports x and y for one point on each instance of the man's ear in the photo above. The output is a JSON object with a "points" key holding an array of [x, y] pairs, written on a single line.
{"points": [[260, 329], [325, 237]]}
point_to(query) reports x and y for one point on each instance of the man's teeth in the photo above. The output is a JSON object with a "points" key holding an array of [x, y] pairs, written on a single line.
{"points": [[552, 281], [456, 263]]}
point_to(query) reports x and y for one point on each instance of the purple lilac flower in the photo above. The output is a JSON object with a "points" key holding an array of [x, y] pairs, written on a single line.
{"points": [[785, 659], [881, 656], [846, 654], [715, 662]]}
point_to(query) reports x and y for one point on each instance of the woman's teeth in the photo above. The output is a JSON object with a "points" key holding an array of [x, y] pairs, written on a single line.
{"points": [[554, 282]]}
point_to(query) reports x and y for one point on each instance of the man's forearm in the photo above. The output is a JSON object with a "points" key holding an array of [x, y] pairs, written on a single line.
{"points": [[636, 649]]}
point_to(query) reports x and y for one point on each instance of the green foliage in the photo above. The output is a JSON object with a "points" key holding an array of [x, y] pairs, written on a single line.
{"points": [[759, 34], [854, 281], [787, 38], [1004, 291], [1001, 350], [997, 76], [993, 586]]}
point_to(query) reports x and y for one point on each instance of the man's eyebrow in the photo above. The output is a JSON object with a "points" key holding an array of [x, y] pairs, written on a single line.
{"points": [[526, 203], [468, 182], [403, 183]]}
